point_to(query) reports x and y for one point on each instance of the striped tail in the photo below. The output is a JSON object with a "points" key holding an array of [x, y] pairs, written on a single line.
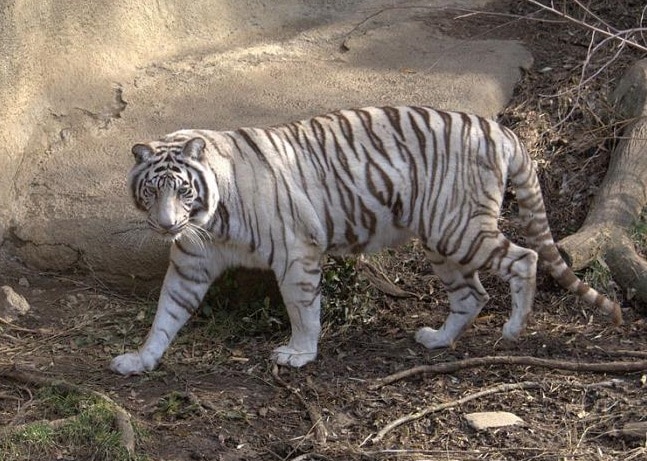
{"points": [[535, 221]]}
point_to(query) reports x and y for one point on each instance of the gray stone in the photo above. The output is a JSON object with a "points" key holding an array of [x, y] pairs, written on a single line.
{"points": [[492, 419], [80, 85], [12, 304]]}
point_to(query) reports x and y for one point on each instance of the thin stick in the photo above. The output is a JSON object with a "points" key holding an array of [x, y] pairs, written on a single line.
{"points": [[11, 326], [321, 433], [595, 16], [628, 353], [615, 35], [443, 406], [309, 456], [451, 367]]}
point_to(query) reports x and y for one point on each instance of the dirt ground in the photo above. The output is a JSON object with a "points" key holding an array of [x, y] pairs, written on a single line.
{"points": [[216, 396]]}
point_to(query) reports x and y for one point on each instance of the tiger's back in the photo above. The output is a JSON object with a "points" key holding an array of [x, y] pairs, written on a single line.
{"points": [[369, 183], [351, 181]]}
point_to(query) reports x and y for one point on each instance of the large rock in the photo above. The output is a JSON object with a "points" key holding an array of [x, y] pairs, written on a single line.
{"points": [[82, 81]]}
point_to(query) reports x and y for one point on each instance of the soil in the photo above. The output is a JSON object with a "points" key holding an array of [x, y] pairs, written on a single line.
{"points": [[229, 404]]}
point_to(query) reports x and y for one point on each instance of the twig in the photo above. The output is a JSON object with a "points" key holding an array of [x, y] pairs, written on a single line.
{"points": [[309, 456], [376, 277], [624, 353], [467, 12], [624, 37], [479, 453], [611, 34], [451, 367], [11, 326], [425, 411], [595, 16], [123, 420], [321, 433]]}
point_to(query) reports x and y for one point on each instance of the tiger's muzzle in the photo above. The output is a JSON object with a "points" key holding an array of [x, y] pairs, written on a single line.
{"points": [[168, 215]]}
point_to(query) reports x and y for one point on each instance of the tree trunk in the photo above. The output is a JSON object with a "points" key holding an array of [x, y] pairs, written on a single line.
{"points": [[622, 195]]}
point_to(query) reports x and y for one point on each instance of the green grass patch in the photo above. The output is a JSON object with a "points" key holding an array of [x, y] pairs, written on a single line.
{"points": [[346, 295], [75, 426], [639, 234]]}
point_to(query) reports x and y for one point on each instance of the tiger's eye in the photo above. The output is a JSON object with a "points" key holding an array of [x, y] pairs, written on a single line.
{"points": [[149, 189]]}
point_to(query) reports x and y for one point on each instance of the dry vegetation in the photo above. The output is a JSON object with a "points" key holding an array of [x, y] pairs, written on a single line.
{"points": [[578, 383]]}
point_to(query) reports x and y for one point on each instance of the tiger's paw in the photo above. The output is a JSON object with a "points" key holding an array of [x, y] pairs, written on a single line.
{"points": [[131, 363], [288, 356], [433, 339], [512, 330]]}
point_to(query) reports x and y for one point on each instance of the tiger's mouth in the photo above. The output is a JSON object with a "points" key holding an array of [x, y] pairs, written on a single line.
{"points": [[170, 231], [168, 235], [187, 229]]}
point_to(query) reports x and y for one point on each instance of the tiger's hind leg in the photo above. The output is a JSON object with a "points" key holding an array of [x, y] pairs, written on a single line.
{"points": [[517, 266], [466, 299]]}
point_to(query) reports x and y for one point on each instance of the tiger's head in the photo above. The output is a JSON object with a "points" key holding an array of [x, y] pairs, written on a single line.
{"points": [[174, 185]]}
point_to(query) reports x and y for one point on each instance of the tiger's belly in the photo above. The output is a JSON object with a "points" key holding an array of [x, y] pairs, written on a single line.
{"points": [[356, 241]]}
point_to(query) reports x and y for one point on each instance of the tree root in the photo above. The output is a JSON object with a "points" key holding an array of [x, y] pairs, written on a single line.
{"points": [[621, 198], [52, 424], [451, 367], [123, 419], [443, 406], [320, 431]]}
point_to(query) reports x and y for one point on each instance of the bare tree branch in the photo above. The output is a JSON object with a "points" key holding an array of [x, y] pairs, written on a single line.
{"points": [[522, 360]]}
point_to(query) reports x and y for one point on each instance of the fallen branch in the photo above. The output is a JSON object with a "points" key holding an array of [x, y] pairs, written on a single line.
{"points": [[451, 367], [320, 431], [123, 420], [443, 406]]}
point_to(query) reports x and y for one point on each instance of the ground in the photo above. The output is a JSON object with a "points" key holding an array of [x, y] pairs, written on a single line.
{"points": [[216, 395]]}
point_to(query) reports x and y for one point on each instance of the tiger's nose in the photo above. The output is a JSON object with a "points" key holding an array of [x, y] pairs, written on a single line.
{"points": [[166, 214], [167, 227]]}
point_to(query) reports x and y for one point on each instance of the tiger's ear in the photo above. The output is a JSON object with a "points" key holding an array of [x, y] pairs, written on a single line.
{"points": [[142, 153], [194, 148]]}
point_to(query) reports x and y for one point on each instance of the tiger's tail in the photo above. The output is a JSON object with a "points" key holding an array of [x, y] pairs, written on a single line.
{"points": [[532, 212]]}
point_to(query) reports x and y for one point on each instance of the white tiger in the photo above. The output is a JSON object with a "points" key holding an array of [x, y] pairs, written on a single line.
{"points": [[346, 182]]}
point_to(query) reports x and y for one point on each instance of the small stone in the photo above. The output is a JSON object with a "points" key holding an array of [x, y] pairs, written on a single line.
{"points": [[23, 282], [12, 305], [491, 419]]}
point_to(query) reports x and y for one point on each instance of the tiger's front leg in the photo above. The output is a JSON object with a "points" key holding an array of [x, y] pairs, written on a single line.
{"points": [[190, 273], [301, 291]]}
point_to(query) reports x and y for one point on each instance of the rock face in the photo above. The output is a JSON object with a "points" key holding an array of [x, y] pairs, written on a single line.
{"points": [[82, 82]]}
